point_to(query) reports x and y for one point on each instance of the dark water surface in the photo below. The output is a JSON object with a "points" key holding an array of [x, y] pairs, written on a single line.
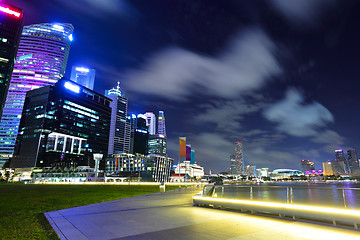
{"points": [[317, 194]]}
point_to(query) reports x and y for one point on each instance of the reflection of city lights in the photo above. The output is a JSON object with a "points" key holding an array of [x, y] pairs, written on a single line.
{"points": [[281, 205]]}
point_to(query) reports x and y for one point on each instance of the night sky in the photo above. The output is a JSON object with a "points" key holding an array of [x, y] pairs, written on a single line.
{"points": [[281, 76]]}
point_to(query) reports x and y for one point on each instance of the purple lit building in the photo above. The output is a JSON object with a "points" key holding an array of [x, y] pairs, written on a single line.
{"points": [[41, 60]]}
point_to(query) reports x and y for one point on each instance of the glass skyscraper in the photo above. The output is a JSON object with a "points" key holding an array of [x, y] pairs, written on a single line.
{"points": [[120, 128], [161, 123], [239, 161], [10, 32], [83, 76], [41, 60]]}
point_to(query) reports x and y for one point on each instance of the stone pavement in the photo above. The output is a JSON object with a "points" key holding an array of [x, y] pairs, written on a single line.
{"points": [[170, 215]]}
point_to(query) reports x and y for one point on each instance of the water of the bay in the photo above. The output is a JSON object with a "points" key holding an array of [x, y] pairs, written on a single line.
{"points": [[308, 193]]}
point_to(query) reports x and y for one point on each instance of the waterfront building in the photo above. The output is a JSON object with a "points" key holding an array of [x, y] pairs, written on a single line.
{"points": [[64, 125], [148, 168], [151, 122], [340, 157], [192, 170], [262, 172], [139, 134], [239, 161], [120, 128], [327, 168], [307, 166], [353, 161], [250, 171], [83, 76], [157, 144], [10, 31], [284, 173], [41, 60], [161, 123]]}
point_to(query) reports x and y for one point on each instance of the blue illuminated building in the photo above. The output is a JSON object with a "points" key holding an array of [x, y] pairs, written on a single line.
{"points": [[83, 76], [139, 134], [62, 125]]}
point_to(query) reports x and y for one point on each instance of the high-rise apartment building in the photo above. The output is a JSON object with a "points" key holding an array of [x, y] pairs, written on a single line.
{"points": [[41, 60], [83, 76], [151, 122], [250, 171], [353, 161], [119, 137], [62, 125], [161, 123], [10, 32], [239, 160]]}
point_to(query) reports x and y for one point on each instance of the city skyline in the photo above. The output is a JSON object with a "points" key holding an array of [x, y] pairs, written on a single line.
{"points": [[274, 77]]}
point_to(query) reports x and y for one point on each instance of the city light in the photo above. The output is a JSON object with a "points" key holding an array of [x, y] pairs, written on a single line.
{"points": [[72, 87], [71, 37], [58, 27], [81, 69], [281, 205], [10, 11]]}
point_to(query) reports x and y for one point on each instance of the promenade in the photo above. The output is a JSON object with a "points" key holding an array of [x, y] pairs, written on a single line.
{"points": [[171, 215]]}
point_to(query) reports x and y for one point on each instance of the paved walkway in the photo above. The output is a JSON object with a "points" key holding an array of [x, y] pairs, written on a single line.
{"points": [[171, 215]]}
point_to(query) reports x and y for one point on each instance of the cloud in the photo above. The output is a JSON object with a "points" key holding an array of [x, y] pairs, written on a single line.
{"points": [[296, 118], [301, 11], [176, 73], [226, 115]]}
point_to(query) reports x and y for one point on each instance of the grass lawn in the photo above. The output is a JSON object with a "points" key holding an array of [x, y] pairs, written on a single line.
{"points": [[22, 206]]}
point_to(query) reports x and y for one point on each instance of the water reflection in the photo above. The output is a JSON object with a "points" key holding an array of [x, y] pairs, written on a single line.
{"points": [[319, 194]]}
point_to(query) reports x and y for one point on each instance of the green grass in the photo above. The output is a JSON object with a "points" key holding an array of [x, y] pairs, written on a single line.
{"points": [[22, 206]]}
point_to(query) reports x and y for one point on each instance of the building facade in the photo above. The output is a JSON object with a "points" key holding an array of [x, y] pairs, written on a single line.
{"points": [[250, 171], [83, 76], [353, 161], [62, 125], [307, 166], [161, 123], [151, 122], [10, 31], [340, 157], [139, 134], [157, 144], [41, 60], [239, 161], [148, 168], [120, 128], [187, 168]]}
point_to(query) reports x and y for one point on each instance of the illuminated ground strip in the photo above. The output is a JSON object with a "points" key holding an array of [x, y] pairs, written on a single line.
{"points": [[282, 205]]}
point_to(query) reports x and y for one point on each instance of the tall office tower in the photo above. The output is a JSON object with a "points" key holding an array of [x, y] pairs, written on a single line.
{"points": [[239, 161], [340, 157], [83, 76], [139, 134], [119, 140], [353, 161], [62, 125], [161, 123], [250, 171], [151, 122], [307, 166], [10, 32], [232, 164], [41, 60], [157, 144]]}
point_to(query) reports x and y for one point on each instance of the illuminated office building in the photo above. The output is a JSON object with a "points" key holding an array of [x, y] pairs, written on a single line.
{"points": [[41, 60], [119, 137], [62, 125], [151, 122], [340, 157], [10, 32], [161, 123], [83, 76], [139, 134], [157, 144], [250, 171]]}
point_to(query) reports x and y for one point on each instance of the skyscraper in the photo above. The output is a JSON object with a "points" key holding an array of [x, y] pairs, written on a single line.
{"points": [[83, 76], [239, 161], [139, 134], [10, 32], [161, 123], [119, 137], [353, 161], [62, 125], [157, 144], [151, 122], [340, 157], [41, 60]]}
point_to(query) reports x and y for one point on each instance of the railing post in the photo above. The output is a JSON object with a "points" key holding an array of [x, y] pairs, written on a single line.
{"points": [[222, 191], [292, 195], [287, 195], [251, 193], [344, 197]]}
